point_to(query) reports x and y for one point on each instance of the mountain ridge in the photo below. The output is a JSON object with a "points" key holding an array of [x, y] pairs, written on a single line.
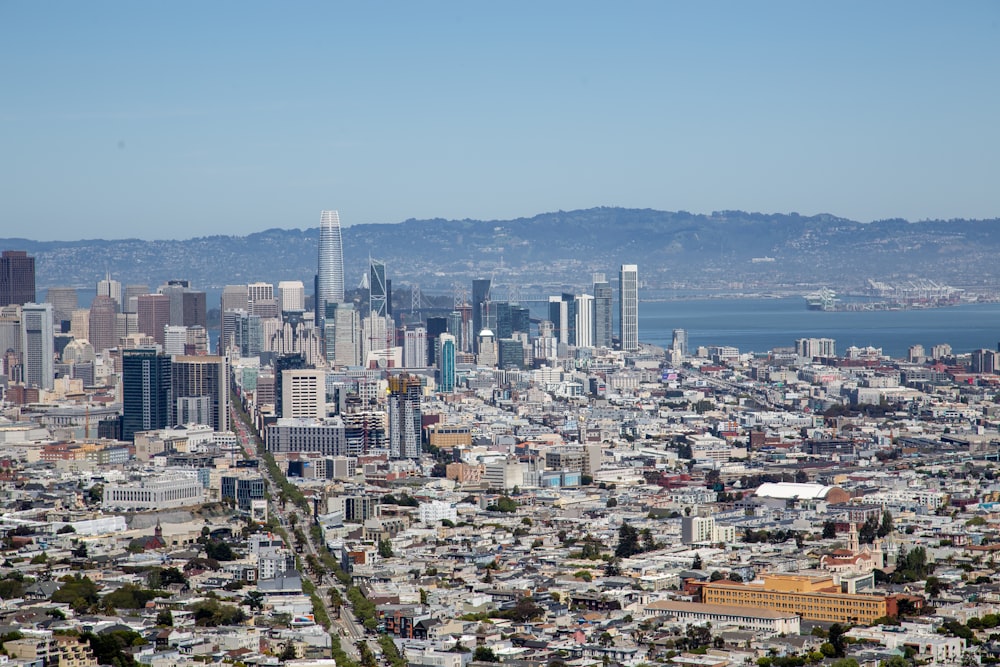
{"points": [[560, 247]]}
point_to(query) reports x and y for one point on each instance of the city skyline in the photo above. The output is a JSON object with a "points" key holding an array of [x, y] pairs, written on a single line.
{"points": [[680, 106]]}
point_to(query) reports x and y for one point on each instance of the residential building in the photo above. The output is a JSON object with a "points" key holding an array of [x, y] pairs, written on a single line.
{"points": [[146, 386], [628, 307], [404, 416], [200, 391]]}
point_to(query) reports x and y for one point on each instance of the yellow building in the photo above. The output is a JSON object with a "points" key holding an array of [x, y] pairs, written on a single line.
{"points": [[449, 435], [815, 598]]}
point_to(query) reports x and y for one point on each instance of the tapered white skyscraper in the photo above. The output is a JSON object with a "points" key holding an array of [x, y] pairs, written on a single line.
{"points": [[330, 267]]}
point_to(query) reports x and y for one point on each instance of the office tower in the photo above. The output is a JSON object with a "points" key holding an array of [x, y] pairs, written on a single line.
{"points": [[679, 342], [267, 308], [197, 341], [562, 314], [480, 300], [250, 334], [37, 345], [603, 305], [174, 339], [194, 309], [456, 329], [10, 331], [125, 325], [292, 296], [234, 297], [584, 304], [510, 353], [445, 356], [377, 292], [303, 393], [628, 307], [330, 262], [64, 301], [79, 324], [487, 345], [415, 348], [404, 416], [258, 292], [435, 327], [200, 391], [230, 335], [282, 363], [346, 336], [17, 278], [154, 314], [131, 297], [378, 333], [103, 321], [112, 289], [146, 389]]}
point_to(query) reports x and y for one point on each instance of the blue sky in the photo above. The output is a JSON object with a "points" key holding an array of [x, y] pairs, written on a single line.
{"points": [[171, 120]]}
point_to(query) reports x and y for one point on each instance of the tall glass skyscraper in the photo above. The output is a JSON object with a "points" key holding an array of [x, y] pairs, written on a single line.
{"points": [[603, 297], [37, 345], [377, 294], [330, 264], [628, 306], [446, 362], [146, 384]]}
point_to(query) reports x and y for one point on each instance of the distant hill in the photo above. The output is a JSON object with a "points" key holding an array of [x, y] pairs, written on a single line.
{"points": [[673, 249]]}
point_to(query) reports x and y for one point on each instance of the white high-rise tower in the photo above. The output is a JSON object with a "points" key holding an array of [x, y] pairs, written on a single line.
{"points": [[628, 305], [330, 265]]}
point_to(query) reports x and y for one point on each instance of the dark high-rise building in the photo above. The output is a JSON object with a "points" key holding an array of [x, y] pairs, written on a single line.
{"points": [[480, 298], [200, 391], [603, 309], [103, 316], [146, 384], [153, 315], [510, 353], [562, 313], [17, 278], [377, 292], [285, 362], [508, 318], [435, 327], [404, 416], [194, 309]]}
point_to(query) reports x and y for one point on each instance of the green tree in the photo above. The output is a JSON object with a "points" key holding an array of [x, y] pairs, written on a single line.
{"points": [[484, 654], [254, 600], [628, 541], [836, 637], [869, 530], [165, 618], [287, 652], [829, 530], [933, 586], [385, 548], [885, 527]]}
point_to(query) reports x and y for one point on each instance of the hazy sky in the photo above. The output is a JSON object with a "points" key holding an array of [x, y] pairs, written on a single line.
{"points": [[179, 119]]}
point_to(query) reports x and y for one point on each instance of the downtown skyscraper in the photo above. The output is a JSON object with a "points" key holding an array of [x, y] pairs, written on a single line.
{"points": [[628, 307], [330, 262]]}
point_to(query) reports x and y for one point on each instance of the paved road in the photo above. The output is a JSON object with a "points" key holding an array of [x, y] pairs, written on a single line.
{"points": [[346, 626]]}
